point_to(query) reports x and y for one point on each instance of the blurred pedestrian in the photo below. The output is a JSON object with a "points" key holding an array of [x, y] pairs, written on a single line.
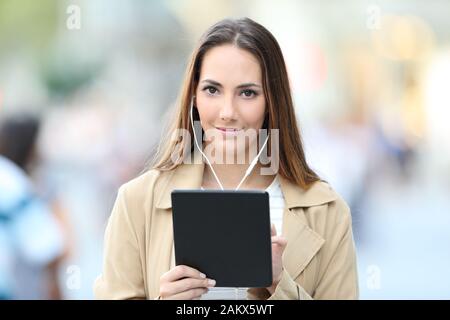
{"points": [[32, 241]]}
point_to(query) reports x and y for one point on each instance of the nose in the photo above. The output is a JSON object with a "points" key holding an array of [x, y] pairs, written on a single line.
{"points": [[227, 111]]}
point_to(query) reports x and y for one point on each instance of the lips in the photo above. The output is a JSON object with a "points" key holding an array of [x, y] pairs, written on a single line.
{"points": [[229, 132], [228, 129]]}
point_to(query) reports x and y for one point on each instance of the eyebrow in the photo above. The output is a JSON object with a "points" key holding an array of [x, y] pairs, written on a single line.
{"points": [[243, 85]]}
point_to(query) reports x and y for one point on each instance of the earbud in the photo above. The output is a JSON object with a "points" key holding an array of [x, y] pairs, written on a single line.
{"points": [[247, 172]]}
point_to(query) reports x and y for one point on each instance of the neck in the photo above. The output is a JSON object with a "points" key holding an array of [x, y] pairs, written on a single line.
{"points": [[231, 175]]}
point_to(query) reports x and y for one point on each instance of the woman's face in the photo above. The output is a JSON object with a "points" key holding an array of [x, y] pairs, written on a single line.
{"points": [[229, 97]]}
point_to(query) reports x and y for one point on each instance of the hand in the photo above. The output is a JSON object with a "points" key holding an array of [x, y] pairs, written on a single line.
{"points": [[278, 245], [183, 283]]}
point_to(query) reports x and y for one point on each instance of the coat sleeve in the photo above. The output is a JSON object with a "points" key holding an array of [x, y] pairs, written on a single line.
{"points": [[340, 278], [122, 276]]}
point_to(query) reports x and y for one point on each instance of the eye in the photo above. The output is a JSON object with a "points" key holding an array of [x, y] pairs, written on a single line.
{"points": [[249, 93], [210, 90]]}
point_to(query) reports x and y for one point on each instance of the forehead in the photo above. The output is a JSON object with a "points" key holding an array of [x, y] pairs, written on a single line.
{"points": [[229, 64]]}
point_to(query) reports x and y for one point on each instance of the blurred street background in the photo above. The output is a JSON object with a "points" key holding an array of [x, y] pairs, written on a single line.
{"points": [[86, 86]]}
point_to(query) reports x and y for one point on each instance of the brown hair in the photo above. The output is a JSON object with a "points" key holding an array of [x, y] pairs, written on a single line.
{"points": [[248, 35]]}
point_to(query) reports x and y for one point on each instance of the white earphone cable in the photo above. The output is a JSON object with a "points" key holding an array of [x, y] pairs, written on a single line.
{"points": [[196, 143]]}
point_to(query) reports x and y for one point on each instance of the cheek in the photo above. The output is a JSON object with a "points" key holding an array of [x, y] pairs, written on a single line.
{"points": [[206, 110], [254, 117]]}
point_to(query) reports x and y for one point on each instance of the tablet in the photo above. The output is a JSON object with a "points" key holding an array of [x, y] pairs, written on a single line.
{"points": [[225, 234]]}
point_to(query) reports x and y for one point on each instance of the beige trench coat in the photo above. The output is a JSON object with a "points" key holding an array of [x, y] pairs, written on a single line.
{"points": [[319, 260]]}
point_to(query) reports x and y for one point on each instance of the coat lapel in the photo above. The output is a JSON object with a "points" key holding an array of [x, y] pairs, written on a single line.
{"points": [[303, 242], [185, 176]]}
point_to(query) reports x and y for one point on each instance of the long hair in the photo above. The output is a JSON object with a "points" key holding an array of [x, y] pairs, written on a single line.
{"points": [[248, 35]]}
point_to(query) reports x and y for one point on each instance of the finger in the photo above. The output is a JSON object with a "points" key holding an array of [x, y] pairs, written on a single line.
{"points": [[182, 271], [192, 283], [279, 240], [189, 295], [273, 230], [179, 286]]}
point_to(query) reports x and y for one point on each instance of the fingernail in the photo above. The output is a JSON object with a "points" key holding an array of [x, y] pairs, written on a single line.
{"points": [[202, 275], [212, 282]]}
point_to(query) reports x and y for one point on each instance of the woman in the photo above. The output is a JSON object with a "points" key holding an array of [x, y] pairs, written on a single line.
{"points": [[236, 83]]}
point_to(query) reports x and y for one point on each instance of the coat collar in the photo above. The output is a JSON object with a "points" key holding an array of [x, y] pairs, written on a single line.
{"points": [[189, 176]]}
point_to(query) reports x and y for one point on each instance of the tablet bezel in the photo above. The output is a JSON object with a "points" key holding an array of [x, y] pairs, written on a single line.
{"points": [[246, 246]]}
